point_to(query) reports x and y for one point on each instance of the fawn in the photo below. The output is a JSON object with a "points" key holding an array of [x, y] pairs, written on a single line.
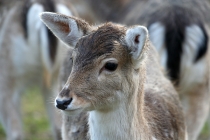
{"points": [[117, 79]]}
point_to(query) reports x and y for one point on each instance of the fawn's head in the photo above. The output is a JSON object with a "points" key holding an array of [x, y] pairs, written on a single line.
{"points": [[106, 61]]}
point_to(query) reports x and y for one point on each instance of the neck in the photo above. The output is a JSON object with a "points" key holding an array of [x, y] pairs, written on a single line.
{"points": [[123, 122]]}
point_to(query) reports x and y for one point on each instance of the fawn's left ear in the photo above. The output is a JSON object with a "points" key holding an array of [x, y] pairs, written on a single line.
{"points": [[136, 38], [68, 29]]}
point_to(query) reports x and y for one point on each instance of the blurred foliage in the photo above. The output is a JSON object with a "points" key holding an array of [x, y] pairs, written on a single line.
{"points": [[2, 134], [205, 134], [35, 120]]}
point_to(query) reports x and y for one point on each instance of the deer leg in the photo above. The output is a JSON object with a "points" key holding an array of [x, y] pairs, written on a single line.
{"points": [[197, 111], [10, 115]]}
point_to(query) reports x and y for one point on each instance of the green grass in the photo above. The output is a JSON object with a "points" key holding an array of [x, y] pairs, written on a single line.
{"points": [[2, 134], [35, 120], [205, 134]]}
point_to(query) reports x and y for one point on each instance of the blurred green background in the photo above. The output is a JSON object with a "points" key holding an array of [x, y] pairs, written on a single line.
{"points": [[36, 125]]}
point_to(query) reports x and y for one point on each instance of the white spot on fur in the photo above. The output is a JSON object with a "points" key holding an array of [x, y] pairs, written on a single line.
{"points": [[157, 37], [37, 34], [166, 134], [192, 73], [194, 38], [63, 9], [172, 134], [153, 138], [34, 23], [66, 86]]}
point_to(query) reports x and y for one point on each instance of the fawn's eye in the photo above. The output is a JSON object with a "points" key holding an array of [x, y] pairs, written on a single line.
{"points": [[110, 66]]}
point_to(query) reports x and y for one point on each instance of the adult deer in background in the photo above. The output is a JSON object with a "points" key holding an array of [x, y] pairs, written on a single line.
{"points": [[116, 77], [29, 56]]}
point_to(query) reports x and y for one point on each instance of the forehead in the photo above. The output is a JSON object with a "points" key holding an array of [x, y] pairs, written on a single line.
{"points": [[98, 43]]}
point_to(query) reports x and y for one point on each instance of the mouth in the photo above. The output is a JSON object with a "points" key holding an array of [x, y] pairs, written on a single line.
{"points": [[72, 112], [71, 109]]}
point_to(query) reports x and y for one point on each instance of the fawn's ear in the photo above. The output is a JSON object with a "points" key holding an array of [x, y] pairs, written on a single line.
{"points": [[68, 29], [136, 38]]}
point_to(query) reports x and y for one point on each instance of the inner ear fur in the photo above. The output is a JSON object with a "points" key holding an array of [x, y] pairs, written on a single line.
{"points": [[66, 28]]}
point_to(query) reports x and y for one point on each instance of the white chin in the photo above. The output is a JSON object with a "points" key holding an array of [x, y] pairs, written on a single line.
{"points": [[72, 113]]}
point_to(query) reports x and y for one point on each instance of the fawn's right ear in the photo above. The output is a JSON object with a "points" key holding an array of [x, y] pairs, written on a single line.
{"points": [[68, 29]]}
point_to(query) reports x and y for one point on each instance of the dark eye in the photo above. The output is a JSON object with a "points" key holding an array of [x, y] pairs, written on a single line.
{"points": [[110, 66]]}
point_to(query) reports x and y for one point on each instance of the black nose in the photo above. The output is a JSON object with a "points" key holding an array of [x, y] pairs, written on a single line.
{"points": [[63, 104]]}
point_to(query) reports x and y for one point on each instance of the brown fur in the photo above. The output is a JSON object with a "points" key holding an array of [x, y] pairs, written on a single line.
{"points": [[162, 103], [73, 127], [150, 103], [196, 99]]}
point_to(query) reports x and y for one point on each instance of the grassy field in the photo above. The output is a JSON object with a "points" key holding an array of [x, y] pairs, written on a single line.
{"points": [[36, 125], [35, 119], [205, 134]]}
